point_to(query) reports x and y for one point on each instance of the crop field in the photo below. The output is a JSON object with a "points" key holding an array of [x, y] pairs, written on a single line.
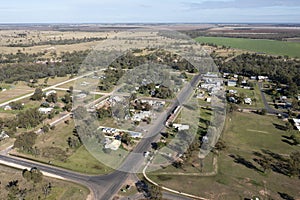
{"points": [[273, 47]]}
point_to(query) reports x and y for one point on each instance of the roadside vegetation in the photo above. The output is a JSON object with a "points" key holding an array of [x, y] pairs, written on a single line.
{"points": [[31, 184]]}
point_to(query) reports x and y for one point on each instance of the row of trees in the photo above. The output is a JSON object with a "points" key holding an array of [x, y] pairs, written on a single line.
{"points": [[57, 42], [26, 69]]}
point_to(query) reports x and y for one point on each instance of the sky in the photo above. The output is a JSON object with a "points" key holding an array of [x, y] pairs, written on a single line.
{"points": [[150, 11]]}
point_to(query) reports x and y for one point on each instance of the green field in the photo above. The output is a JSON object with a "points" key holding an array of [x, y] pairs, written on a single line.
{"points": [[273, 47]]}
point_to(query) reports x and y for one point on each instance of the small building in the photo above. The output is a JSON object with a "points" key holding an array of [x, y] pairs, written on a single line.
{"points": [[47, 93], [235, 75], [3, 135], [253, 78], [181, 127], [45, 110], [248, 101], [208, 99], [135, 134], [297, 123], [231, 83], [7, 107], [262, 78]]}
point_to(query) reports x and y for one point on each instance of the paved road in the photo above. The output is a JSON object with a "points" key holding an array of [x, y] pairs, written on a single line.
{"points": [[268, 108], [106, 186], [145, 143]]}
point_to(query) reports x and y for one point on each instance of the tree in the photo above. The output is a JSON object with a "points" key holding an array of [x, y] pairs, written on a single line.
{"points": [[37, 95], [263, 111], [126, 139], [52, 98], [16, 105], [25, 141], [155, 192], [295, 163]]}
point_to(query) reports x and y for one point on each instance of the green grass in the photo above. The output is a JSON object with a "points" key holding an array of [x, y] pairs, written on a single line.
{"points": [[244, 134], [251, 94], [273, 47], [79, 160]]}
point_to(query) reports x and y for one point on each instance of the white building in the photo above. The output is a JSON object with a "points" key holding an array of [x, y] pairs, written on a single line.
{"points": [[181, 127], [45, 110], [297, 123], [47, 93], [248, 101]]}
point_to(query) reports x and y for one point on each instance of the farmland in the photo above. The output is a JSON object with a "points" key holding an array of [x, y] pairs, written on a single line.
{"points": [[273, 47]]}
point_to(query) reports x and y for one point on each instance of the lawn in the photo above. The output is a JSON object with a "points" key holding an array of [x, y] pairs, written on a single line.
{"points": [[260, 46], [79, 160], [60, 189], [251, 94], [244, 135]]}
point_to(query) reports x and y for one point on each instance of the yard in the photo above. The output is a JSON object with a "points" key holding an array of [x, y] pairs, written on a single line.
{"points": [[55, 142]]}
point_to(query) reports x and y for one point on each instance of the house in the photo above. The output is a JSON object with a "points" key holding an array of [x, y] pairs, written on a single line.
{"points": [[141, 115], [3, 135], [181, 127], [50, 92], [263, 78], [231, 83], [208, 99], [45, 110], [248, 101], [135, 134], [7, 107], [297, 123]]}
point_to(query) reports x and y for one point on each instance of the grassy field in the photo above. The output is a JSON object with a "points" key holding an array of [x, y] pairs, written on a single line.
{"points": [[79, 160], [244, 135], [261, 46], [250, 94], [60, 189]]}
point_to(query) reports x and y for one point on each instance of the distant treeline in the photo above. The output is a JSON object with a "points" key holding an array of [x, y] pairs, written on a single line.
{"points": [[57, 42], [25, 71]]}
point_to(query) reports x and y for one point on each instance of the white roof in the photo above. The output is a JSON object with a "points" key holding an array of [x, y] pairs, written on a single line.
{"points": [[45, 110], [50, 92], [181, 127]]}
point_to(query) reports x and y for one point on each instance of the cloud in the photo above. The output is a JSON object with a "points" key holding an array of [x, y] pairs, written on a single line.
{"points": [[219, 4]]}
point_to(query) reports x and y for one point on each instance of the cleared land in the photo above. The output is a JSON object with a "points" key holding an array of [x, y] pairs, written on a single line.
{"points": [[59, 190], [260, 46], [244, 135]]}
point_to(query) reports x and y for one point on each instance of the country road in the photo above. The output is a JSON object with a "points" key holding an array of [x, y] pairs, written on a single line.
{"points": [[104, 187]]}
